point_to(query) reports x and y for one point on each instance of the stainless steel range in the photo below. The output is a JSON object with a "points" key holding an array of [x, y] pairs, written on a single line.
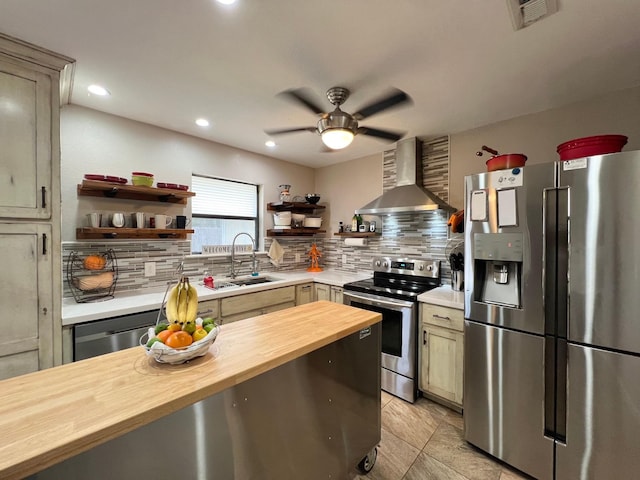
{"points": [[393, 291]]}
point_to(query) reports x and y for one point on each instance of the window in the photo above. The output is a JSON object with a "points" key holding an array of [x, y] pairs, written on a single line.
{"points": [[220, 210]]}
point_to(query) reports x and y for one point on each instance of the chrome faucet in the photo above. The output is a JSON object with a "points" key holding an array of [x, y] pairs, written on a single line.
{"points": [[254, 260]]}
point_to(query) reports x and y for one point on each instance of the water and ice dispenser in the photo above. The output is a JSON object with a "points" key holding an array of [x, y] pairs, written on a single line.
{"points": [[498, 268]]}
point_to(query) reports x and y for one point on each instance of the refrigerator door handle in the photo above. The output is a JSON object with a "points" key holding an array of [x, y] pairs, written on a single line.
{"points": [[556, 276]]}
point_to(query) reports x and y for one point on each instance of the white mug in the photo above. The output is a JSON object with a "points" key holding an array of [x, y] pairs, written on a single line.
{"points": [[117, 220], [95, 219], [163, 221], [139, 216]]}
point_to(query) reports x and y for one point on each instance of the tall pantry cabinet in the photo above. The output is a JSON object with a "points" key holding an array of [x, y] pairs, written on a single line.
{"points": [[30, 257]]}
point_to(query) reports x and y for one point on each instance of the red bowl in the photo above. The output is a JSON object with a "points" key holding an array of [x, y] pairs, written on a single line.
{"points": [[589, 146], [174, 186], [508, 160]]}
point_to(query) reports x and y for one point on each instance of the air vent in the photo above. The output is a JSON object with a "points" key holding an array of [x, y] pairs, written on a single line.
{"points": [[526, 12]]}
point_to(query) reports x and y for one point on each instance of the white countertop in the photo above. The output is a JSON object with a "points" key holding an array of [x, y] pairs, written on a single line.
{"points": [[443, 296], [126, 303]]}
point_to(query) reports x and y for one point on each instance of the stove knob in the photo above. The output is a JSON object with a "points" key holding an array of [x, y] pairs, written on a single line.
{"points": [[385, 264], [429, 267], [377, 263], [421, 267]]}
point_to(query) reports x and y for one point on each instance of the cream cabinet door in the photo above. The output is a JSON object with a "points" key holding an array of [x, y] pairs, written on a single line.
{"points": [[441, 362], [322, 291], [336, 294], [304, 293], [26, 344], [25, 136]]}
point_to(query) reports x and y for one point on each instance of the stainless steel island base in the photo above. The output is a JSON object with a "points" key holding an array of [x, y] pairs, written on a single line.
{"points": [[316, 416]]}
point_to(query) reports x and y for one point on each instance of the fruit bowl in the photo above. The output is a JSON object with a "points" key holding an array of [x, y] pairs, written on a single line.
{"points": [[162, 353]]}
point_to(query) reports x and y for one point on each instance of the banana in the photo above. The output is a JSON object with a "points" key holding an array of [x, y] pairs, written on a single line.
{"points": [[192, 304], [171, 307], [182, 302]]}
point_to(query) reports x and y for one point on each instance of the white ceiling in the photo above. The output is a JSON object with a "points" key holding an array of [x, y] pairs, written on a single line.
{"points": [[167, 62]]}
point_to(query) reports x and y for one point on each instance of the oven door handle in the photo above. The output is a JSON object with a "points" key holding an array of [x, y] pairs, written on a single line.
{"points": [[379, 302]]}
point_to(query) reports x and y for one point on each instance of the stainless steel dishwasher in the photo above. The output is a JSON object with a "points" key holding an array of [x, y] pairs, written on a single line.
{"points": [[111, 334]]}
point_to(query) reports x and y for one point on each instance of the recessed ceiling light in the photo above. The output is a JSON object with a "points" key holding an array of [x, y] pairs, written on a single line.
{"points": [[226, 2], [202, 122], [98, 90], [270, 143]]}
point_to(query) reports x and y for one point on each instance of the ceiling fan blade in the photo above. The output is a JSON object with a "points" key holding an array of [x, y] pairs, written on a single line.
{"points": [[384, 134], [392, 99], [278, 131], [303, 97]]}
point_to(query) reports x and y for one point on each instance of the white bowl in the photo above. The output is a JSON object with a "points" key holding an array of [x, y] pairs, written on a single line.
{"points": [[298, 217], [281, 220], [313, 222]]}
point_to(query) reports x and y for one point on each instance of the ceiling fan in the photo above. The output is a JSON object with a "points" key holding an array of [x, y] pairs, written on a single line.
{"points": [[337, 128]]}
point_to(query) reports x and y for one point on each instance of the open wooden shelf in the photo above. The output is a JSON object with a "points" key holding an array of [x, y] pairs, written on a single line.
{"points": [[294, 232], [295, 207], [94, 188], [358, 234], [125, 233]]}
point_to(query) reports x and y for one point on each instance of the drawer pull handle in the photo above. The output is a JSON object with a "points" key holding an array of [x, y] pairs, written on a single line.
{"points": [[441, 317]]}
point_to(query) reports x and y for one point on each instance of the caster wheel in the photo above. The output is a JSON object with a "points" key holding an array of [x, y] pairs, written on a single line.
{"points": [[369, 461]]}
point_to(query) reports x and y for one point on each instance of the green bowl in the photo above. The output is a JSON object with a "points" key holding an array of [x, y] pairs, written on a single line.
{"points": [[140, 180]]}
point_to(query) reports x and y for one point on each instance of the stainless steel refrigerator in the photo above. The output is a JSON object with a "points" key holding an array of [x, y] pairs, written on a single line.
{"points": [[552, 317]]}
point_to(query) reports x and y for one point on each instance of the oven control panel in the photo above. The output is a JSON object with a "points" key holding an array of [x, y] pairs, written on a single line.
{"points": [[407, 266]]}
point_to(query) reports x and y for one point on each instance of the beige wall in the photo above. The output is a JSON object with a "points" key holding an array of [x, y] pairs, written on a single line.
{"points": [[345, 187], [99, 143], [537, 135]]}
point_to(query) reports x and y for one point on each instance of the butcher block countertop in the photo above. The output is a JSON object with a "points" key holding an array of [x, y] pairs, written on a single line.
{"points": [[54, 414]]}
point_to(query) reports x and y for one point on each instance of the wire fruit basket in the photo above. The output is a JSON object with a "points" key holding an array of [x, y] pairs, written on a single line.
{"points": [[163, 353]]}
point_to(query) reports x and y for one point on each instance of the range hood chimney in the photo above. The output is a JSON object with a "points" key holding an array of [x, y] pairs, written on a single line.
{"points": [[408, 195]]}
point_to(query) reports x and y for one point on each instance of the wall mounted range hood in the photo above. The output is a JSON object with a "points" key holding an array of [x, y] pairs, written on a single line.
{"points": [[408, 195]]}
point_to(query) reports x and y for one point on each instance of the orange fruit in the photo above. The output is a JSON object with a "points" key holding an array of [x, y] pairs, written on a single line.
{"points": [[163, 335], [179, 339]]}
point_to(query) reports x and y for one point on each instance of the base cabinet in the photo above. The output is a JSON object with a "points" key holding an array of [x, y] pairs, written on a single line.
{"points": [[441, 353], [328, 292], [248, 305], [304, 293]]}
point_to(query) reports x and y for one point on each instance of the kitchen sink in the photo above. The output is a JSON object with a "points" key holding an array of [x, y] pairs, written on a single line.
{"points": [[251, 281]]}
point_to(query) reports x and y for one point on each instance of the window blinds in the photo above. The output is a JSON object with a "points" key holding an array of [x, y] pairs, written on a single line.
{"points": [[225, 198]]}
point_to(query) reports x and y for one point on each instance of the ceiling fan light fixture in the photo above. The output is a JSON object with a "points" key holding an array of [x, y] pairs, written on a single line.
{"points": [[337, 138]]}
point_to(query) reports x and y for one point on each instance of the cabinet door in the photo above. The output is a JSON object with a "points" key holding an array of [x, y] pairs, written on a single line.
{"points": [[25, 136], [304, 293], [441, 363], [322, 291], [26, 344], [336, 294]]}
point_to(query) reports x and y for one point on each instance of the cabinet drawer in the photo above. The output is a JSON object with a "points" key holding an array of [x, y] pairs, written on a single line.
{"points": [[257, 301], [442, 316], [208, 308]]}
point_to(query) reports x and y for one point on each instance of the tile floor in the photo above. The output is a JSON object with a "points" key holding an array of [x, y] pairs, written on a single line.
{"points": [[424, 441]]}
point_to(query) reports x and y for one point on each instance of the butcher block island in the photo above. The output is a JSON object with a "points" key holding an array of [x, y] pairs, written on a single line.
{"points": [[290, 394]]}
